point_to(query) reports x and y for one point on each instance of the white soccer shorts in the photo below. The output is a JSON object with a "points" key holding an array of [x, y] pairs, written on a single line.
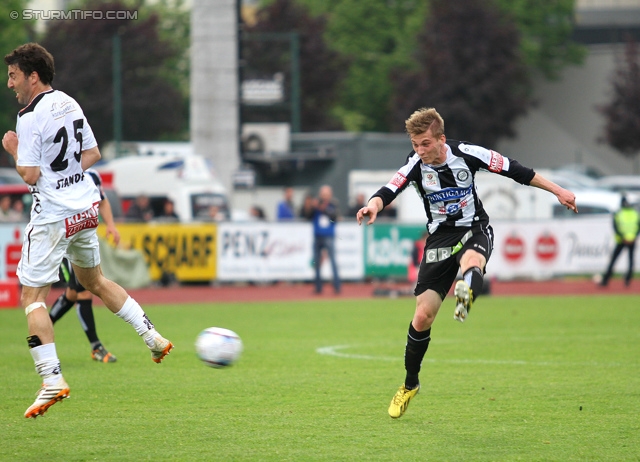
{"points": [[44, 247]]}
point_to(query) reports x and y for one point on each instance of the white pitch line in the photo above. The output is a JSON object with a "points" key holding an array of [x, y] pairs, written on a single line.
{"points": [[336, 350]]}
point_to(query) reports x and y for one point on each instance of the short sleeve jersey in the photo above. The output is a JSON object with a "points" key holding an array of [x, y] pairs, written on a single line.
{"points": [[448, 190], [52, 133]]}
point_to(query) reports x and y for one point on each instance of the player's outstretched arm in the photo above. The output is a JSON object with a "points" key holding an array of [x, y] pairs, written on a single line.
{"points": [[371, 210], [565, 197]]}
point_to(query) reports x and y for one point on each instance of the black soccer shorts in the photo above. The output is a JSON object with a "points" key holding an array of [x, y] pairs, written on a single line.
{"points": [[443, 251]]}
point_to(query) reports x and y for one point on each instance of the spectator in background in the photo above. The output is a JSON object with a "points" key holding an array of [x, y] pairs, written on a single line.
{"points": [[168, 212], [285, 210], [626, 225], [7, 213], [140, 210], [307, 208], [389, 211], [215, 214], [18, 207], [325, 214], [257, 213], [359, 203]]}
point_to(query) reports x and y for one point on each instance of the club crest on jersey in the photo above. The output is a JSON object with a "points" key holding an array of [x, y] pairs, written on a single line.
{"points": [[398, 180], [496, 162], [462, 175]]}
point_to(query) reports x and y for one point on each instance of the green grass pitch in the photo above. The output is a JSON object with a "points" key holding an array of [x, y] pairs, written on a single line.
{"points": [[525, 378]]}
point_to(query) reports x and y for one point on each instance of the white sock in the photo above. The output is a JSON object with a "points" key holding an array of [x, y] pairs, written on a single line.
{"points": [[132, 313], [47, 363]]}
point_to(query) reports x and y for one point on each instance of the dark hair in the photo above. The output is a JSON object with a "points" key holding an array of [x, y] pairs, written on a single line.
{"points": [[624, 202], [32, 57]]}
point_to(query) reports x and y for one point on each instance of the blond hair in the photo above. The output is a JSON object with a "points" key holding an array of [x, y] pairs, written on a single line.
{"points": [[424, 119]]}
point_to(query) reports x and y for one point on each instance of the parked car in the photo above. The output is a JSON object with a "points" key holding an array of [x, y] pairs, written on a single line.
{"points": [[629, 185]]}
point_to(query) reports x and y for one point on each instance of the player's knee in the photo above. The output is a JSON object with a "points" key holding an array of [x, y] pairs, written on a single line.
{"points": [[423, 317], [472, 258], [34, 306]]}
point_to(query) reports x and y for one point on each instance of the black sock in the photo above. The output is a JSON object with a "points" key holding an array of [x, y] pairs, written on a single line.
{"points": [[475, 279], [60, 308], [417, 344], [85, 315]]}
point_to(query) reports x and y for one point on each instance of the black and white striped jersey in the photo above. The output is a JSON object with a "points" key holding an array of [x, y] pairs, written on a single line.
{"points": [[448, 190]]}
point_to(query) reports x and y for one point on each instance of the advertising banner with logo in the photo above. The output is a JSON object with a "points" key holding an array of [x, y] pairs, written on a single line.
{"points": [[283, 251], [186, 250], [10, 249], [543, 249], [10, 252], [388, 248], [264, 251]]}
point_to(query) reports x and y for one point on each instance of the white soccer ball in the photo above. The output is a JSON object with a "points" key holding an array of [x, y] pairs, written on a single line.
{"points": [[218, 347]]}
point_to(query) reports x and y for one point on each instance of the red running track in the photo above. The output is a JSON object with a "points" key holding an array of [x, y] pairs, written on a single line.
{"points": [[304, 291]]}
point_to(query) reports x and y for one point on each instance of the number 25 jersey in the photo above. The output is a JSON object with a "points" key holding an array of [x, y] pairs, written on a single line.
{"points": [[52, 133]]}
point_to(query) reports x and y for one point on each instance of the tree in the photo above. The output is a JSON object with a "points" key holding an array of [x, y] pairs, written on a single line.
{"points": [[375, 37], [83, 50], [174, 28], [321, 70], [469, 69], [13, 33], [545, 33], [378, 36], [622, 113]]}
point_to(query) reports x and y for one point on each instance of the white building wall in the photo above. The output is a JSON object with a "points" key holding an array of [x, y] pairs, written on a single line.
{"points": [[565, 127]]}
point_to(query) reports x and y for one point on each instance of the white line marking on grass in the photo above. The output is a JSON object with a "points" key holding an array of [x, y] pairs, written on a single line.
{"points": [[337, 351]]}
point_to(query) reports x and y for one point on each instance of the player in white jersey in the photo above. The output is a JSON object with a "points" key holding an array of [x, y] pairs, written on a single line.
{"points": [[52, 148], [460, 237]]}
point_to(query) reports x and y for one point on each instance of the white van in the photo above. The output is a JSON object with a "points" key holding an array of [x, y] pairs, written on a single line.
{"points": [[186, 179]]}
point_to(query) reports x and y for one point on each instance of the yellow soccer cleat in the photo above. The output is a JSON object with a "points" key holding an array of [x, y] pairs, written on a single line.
{"points": [[400, 401]]}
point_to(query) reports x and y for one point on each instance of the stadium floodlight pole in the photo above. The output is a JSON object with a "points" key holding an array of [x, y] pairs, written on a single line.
{"points": [[117, 92], [295, 82]]}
